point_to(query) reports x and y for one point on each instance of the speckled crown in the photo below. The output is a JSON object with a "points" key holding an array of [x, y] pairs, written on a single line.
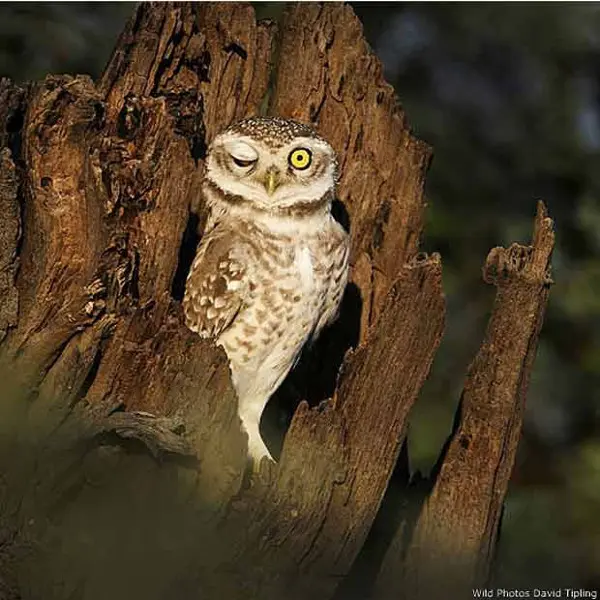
{"points": [[274, 131]]}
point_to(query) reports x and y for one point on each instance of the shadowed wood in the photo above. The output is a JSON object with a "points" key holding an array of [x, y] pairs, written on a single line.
{"points": [[9, 237], [454, 539]]}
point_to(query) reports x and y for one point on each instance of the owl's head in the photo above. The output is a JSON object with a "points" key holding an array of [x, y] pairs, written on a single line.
{"points": [[272, 164]]}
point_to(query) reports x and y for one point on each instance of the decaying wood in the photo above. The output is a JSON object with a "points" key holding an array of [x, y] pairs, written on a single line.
{"points": [[121, 420], [9, 237], [11, 115], [452, 547]]}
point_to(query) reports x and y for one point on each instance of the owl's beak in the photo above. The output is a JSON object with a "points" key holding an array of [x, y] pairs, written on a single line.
{"points": [[271, 180]]}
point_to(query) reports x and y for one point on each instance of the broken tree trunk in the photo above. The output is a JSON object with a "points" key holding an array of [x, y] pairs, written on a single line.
{"points": [[121, 450]]}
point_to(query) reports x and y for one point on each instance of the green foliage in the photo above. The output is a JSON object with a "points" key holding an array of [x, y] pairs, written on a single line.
{"points": [[41, 38]]}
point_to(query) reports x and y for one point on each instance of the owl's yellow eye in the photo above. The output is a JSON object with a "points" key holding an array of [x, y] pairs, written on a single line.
{"points": [[300, 158]]}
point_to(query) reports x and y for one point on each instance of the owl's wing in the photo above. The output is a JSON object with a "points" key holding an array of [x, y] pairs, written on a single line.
{"points": [[216, 287]]}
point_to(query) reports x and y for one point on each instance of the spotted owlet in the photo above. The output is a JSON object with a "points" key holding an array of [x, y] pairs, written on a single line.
{"points": [[272, 265]]}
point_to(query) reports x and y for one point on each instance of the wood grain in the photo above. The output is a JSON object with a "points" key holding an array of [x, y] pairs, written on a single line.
{"points": [[453, 544]]}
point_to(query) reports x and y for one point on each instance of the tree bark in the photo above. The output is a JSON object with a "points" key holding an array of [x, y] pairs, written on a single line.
{"points": [[452, 545], [122, 453]]}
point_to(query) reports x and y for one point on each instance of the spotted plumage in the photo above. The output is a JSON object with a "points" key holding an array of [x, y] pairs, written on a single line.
{"points": [[273, 263]]}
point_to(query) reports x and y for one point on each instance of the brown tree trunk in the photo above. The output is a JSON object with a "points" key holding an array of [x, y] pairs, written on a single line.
{"points": [[122, 453]]}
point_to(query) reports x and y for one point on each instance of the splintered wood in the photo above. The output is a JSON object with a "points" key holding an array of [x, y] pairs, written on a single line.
{"points": [[452, 546]]}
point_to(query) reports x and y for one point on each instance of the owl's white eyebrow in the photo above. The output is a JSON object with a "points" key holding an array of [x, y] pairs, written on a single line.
{"points": [[241, 150]]}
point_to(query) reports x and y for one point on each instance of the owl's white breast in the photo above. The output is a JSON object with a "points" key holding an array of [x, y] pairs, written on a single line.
{"points": [[303, 262]]}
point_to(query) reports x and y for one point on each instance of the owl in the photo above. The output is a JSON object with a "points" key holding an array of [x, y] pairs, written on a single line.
{"points": [[272, 264]]}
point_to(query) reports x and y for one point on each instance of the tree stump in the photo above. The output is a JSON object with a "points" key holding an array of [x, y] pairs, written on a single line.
{"points": [[122, 456]]}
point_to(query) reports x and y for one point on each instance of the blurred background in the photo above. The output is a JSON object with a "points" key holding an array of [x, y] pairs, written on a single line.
{"points": [[508, 95]]}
